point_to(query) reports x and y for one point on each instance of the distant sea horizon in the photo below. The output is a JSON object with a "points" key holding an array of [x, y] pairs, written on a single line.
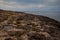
{"points": [[53, 15]]}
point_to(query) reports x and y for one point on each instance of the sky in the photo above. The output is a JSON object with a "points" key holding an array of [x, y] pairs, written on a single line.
{"points": [[30, 5]]}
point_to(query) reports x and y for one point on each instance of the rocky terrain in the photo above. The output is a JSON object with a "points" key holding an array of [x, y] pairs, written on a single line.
{"points": [[23, 26]]}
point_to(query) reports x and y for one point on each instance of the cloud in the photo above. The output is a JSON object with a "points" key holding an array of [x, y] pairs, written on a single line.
{"points": [[22, 6], [6, 2], [1, 1], [30, 5], [13, 4], [51, 0]]}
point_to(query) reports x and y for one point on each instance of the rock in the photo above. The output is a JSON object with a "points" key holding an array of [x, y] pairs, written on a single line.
{"points": [[23, 26]]}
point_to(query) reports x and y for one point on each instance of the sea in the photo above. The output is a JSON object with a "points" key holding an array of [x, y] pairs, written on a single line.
{"points": [[53, 15]]}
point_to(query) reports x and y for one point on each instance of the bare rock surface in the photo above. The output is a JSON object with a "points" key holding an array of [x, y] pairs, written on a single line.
{"points": [[23, 26]]}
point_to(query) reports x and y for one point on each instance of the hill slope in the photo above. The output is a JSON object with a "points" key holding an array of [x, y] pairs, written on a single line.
{"points": [[23, 26]]}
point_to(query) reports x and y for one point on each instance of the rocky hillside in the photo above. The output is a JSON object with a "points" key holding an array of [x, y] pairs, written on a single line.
{"points": [[23, 26]]}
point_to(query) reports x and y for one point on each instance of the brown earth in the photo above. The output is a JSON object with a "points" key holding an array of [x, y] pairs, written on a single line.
{"points": [[23, 26]]}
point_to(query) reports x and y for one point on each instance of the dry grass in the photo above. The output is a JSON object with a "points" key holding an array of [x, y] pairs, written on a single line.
{"points": [[22, 26]]}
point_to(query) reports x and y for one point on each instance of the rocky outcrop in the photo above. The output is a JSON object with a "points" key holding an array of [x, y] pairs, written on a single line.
{"points": [[23, 26]]}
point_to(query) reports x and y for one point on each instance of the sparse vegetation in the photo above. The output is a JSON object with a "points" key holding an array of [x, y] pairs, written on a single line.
{"points": [[22, 26]]}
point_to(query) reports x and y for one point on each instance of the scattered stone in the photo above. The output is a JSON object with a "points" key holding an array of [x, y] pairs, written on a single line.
{"points": [[22, 26]]}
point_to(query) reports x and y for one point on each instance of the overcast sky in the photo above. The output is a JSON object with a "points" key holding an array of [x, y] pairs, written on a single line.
{"points": [[30, 5]]}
